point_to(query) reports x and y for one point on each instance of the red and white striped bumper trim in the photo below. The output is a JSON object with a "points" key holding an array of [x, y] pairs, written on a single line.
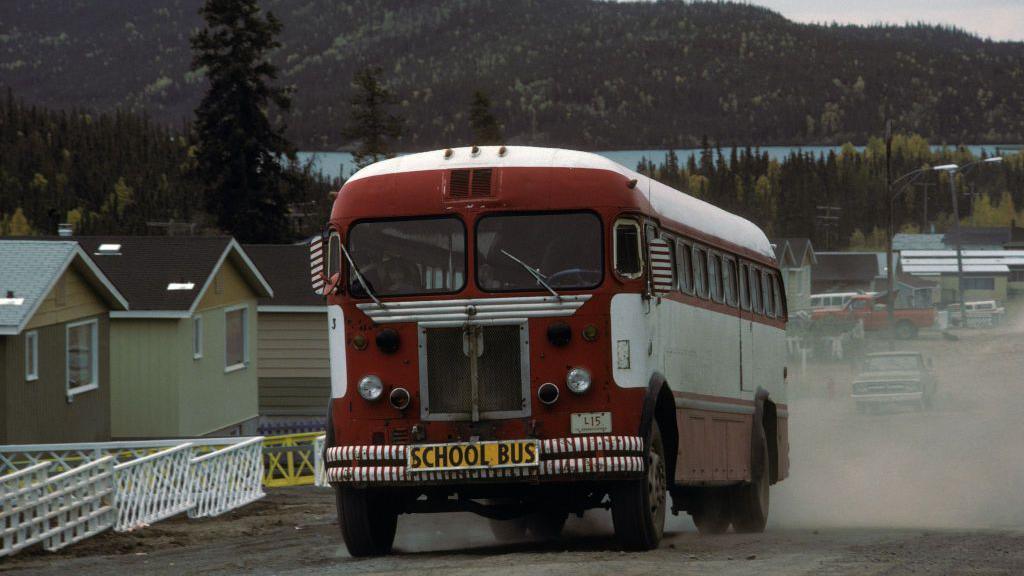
{"points": [[576, 457]]}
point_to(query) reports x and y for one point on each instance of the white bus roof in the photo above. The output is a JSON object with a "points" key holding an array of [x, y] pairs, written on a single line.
{"points": [[667, 201]]}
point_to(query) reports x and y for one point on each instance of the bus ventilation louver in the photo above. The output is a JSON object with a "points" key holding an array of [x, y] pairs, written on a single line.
{"points": [[316, 264], [661, 267], [467, 184]]}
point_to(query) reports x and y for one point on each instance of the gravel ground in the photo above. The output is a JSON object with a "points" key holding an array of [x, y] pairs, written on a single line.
{"points": [[901, 492]]}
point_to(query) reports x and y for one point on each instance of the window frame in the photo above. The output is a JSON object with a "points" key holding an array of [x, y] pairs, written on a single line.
{"points": [[94, 334], [244, 309], [754, 285], [732, 297], [626, 221], [685, 279], [781, 305], [717, 283], [767, 296], [349, 278], [744, 278], [700, 272], [197, 337], [31, 356], [538, 288]]}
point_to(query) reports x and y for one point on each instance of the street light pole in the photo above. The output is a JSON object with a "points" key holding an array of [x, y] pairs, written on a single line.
{"points": [[951, 171], [890, 259]]}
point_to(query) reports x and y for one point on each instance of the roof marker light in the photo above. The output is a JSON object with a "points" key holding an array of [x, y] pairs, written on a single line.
{"points": [[448, 153], [502, 151], [181, 286], [631, 184], [475, 151]]}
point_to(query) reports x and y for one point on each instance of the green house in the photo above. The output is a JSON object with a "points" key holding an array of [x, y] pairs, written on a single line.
{"points": [[183, 356], [55, 366]]}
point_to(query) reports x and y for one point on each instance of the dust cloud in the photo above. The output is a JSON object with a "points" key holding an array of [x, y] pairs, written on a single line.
{"points": [[960, 465]]}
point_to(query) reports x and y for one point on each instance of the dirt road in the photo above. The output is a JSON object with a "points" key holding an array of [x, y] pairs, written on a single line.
{"points": [[902, 492]]}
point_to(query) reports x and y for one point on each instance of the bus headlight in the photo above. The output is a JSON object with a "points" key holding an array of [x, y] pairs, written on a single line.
{"points": [[578, 380], [370, 387]]}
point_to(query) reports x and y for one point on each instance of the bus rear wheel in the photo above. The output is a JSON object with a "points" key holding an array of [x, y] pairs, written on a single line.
{"points": [[750, 501], [638, 506], [712, 515], [368, 521]]}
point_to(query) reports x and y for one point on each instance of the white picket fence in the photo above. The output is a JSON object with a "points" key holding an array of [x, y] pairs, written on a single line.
{"points": [[124, 485]]}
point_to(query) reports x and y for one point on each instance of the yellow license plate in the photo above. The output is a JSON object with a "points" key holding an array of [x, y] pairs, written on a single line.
{"points": [[472, 455]]}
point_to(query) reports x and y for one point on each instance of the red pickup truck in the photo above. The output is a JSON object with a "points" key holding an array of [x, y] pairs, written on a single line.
{"points": [[875, 316]]}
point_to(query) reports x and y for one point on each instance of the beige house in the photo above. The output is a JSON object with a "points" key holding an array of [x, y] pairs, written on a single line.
{"points": [[184, 355], [294, 367], [54, 343]]}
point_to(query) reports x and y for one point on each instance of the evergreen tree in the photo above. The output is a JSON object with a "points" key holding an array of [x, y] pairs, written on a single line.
{"points": [[240, 150], [486, 130], [371, 124]]}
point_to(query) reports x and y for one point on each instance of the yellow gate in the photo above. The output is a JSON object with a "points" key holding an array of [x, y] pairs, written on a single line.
{"points": [[289, 460]]}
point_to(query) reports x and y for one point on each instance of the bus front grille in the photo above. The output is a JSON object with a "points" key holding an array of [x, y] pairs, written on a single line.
{"points": [[492, 360]]}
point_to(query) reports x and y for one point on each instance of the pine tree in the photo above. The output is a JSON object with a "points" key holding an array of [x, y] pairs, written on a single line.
{"points": [[240, 150], [486, 130], [370, 122]]}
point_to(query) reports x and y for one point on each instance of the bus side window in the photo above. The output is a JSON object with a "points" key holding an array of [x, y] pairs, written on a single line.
{"points": [[780, 298], [628, 262], [715, 277], [729, 280], [755, 289], [744, 286], [334, 263], [700, 271], [766, 289], [684, 266]]}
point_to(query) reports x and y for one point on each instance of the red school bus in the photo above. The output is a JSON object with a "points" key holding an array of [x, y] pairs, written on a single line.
{"points": [[527, 333]]}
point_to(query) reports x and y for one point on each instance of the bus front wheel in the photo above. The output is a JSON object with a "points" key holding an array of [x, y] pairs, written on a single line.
{"points": [[638, 506], [368, 521]]}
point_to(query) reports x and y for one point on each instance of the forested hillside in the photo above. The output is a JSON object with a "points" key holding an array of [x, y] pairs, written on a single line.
{"points": [[581, 73]]}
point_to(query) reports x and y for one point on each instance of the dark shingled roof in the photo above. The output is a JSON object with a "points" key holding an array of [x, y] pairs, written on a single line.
{"points": [[286, 268], [846, 267]]}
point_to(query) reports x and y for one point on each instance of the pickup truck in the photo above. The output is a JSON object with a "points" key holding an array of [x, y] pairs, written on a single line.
{"points": [[981, 313], [907, 321], [894, 378]]}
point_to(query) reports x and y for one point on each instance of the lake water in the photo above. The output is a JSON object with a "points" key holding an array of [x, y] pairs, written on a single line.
{"points": [[334, 164]]}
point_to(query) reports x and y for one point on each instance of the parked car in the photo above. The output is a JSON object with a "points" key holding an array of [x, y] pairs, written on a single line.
{"points": [[894, 378], [832, 300], [978, 312], [907, 321]]}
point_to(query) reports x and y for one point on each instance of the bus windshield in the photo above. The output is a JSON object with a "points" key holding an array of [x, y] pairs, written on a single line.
{"points": [[408, 257], [565, 249]]}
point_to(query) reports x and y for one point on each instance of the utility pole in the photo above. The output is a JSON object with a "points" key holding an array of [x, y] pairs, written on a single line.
{"points": [[890, 268], [951, 175], [828, 222], [924, 220]]}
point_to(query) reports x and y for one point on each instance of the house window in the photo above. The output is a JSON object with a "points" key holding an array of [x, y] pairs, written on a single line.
{"points": [[236, 338], [1016, 275], [82, 357], [31, 356], [197, 337], [979, 283]]}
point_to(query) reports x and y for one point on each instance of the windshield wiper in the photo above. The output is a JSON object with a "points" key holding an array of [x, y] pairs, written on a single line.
{"points": [[540, 277], [359, 277]]}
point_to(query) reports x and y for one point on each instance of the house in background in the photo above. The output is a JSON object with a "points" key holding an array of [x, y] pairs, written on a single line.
{"points": [[54, 343], [294, 368], [988, 274], [846, 271], [796, 259], [183, 356]]}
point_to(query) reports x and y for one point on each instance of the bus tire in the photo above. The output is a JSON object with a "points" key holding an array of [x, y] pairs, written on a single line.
{"points": [[712, 515], [638, 506], [368, 521], [750, 500], [513, 530], [546, 525]]}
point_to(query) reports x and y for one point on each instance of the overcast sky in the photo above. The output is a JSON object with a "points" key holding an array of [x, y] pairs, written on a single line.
{"points": [[996, 19]]}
